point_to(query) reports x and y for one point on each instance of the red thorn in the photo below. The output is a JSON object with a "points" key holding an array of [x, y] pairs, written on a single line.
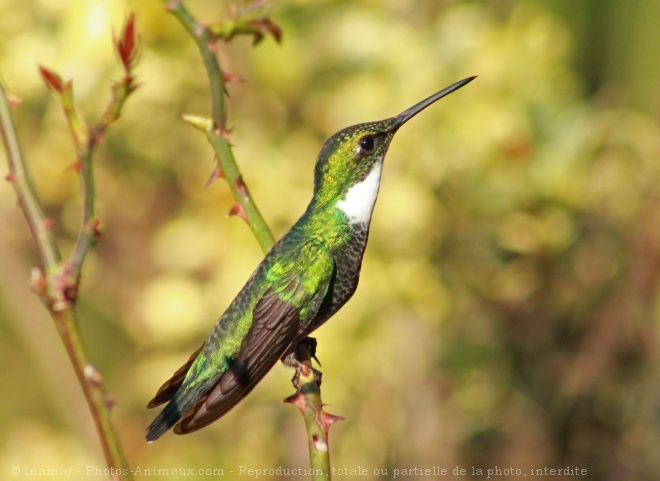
{"points": [[52, 79], [224, 132], [95, 228], [237, 209], [171, 5], [13, 100], [230, 77], [126, 44], [297, 399], [9, 178], [75, 167], [212, 44], [38, 282], [48, 223], [92, 375], [109, 402], [98, 136], [326, 420], [241, 187], [215, 175]]}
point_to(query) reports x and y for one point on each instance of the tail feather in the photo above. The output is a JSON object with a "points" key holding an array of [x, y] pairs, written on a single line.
{"points": [[167, 418]]}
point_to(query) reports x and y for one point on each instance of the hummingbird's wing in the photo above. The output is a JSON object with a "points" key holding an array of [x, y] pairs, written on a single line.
{"points": [[210, 384]]}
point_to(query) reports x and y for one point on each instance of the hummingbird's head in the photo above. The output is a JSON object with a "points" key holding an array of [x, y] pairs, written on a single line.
{"points": [[349, 156], [349, 164]]}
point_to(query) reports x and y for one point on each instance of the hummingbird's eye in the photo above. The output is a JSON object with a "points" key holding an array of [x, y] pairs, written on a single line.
{"points": [[366, 145]]}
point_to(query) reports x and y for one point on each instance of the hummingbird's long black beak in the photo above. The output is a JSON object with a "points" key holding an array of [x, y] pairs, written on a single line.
{"points": [[407, 114]]}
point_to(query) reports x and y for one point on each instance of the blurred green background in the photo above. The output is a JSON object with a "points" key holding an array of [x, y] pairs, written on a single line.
{"points": [[508, 311]]}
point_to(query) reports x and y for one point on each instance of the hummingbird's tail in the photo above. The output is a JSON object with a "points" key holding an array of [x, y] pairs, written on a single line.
{"points": [[168, 394], [167, 418]]}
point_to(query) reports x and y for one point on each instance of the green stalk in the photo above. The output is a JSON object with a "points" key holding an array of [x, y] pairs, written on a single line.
{"points": [[20, 178], [217, 131], [54, 291]]}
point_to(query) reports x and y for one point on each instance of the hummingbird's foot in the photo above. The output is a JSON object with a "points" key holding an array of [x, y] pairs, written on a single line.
{"points": [[300, 358], [302, 352], [303, 371]]}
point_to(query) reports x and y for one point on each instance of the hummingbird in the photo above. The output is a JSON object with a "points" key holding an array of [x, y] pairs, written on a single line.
{"points": [[308, 275]]}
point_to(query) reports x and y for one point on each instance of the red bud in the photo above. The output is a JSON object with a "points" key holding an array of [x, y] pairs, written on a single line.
{"points": [[52, 79], [126, 44]]}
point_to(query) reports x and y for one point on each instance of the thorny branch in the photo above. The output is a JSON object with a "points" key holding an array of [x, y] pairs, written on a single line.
{"points": [[57, 282]]}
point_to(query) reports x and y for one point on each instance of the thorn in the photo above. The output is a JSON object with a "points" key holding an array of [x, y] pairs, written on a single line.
{"points": [[92, 375], [98, 136], [230, 77], [212, 44], [215, 175], [241, 187], [222, 132], [171, 5], [13, 99], [326, 420], [237, 209], [199, 29], [48, 223], [109, 401], [38, 282], [75, 167], [297, 399], [95, 228], [52, 79], [9, 177]]}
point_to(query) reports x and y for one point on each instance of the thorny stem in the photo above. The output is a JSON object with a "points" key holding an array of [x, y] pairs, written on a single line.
{"points": [[308, 396], [97, 400], [58, 288], [52, 291], [20, 178], [217, 131]]}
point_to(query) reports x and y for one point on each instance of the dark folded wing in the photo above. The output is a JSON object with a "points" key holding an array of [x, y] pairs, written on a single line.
{"points": [[276, 324]]}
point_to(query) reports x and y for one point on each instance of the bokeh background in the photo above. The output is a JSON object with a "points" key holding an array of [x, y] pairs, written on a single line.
{"points": [[508, 311]]}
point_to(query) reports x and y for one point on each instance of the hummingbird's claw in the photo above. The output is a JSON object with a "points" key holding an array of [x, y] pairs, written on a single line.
{"points": [[300, 358], [303, 351], [303, 370]]}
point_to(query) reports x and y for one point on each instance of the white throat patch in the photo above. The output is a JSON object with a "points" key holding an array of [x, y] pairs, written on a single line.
{"points": [[360, 198]]}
